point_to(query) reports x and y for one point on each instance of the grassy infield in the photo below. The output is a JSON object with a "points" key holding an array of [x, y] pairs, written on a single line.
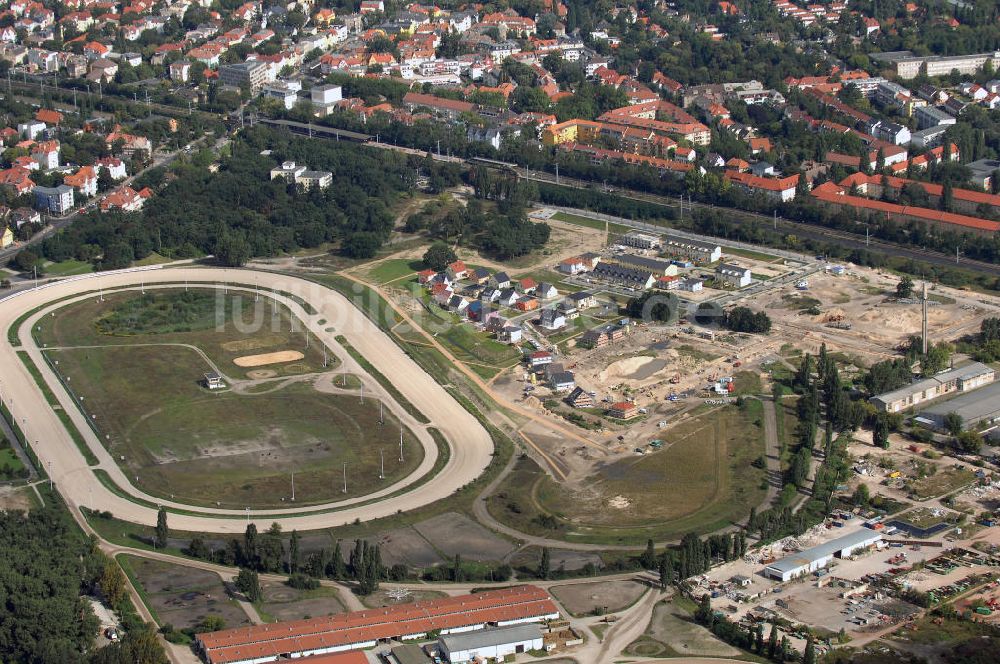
{"points": [[203, 448]]}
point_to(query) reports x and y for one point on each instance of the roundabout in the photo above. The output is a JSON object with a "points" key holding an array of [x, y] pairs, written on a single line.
{"points": [[325, 316]]}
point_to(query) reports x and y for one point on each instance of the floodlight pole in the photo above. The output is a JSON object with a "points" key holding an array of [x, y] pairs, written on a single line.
{"points": [[400, 444], [293, 487], [381, 417], [345, 477], [362, 392], [381, 468], [248, 515]]}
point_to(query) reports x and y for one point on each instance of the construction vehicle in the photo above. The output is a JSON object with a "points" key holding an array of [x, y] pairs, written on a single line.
{"points": [[676, 378]]}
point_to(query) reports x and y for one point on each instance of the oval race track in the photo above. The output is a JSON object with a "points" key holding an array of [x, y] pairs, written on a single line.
{"points": [[470, 444]]}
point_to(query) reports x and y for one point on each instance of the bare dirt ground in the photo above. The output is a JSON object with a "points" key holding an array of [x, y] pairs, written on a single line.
{"points": [[16, 498], [408, 547], [264, 359], [381, 598], [456, 534], [865, 299], [609, 596], [284, 603], [184, 596]]}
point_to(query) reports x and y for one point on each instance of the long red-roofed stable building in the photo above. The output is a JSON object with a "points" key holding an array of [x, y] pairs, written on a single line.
{"points": [[365, 629]]}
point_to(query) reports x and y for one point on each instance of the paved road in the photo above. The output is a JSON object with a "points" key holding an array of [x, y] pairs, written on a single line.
{"points": [[470, 442]]}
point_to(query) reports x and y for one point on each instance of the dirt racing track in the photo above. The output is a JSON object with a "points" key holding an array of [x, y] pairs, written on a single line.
{"points": [[470, 444]]}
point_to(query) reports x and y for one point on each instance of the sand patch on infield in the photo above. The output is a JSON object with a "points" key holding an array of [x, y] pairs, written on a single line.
{"points": [[268, 358], [258, 374]]}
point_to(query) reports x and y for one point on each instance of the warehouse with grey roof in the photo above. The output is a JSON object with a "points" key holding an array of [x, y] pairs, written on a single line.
{"points": [[818, 557]]}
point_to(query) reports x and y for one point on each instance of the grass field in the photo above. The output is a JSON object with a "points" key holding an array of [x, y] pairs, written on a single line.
{"points": [[941, 483], [393, 269], [749, 253], [235, 449], [68, 268], [589, 222], [688, 486], [223, 327]]}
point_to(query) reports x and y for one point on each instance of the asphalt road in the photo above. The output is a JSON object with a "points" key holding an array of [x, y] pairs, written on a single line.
{"points": [[471, 445]]}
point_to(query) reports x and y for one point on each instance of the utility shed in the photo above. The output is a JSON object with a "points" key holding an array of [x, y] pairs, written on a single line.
{"points": [[491, 643], [818, 557]]}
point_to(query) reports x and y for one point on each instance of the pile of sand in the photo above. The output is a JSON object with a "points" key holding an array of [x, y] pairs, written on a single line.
{"points": [[619, 502], [627, 368], [268, 358]]}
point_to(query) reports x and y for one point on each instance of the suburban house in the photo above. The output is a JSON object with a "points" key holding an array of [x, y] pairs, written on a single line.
{"points": [[580, 398], [623, 410], [733, 275], [583, 299], [552, 319], [84, 181], [540, 358], [457, 270]]}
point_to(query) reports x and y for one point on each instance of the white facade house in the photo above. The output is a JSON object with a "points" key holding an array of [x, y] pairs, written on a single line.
{"points": [[493, 644], [286, 92], [733, 275], [292, 172], [325, 97]]}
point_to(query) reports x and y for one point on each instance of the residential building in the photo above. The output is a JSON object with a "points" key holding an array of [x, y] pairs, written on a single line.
{"points": [[46, 154], [604, 335], [930, 137], [696, 250], [582, 299], [17, 180], [84, 181], [691, 285], [908, 65], [551, 319], [55, 200], [962, 379], [286, 92], [932, 116], [539, 359], [833, 196], [580, 398], [982, 172], [779, 189], [640, 240], [623, 276], [448, 108], [115, 167], [733, 275], [325, 97], [295, 173], [623, 410], [562, 381], [6, 237], [658, 267], [252, 74], [125, 199]]}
